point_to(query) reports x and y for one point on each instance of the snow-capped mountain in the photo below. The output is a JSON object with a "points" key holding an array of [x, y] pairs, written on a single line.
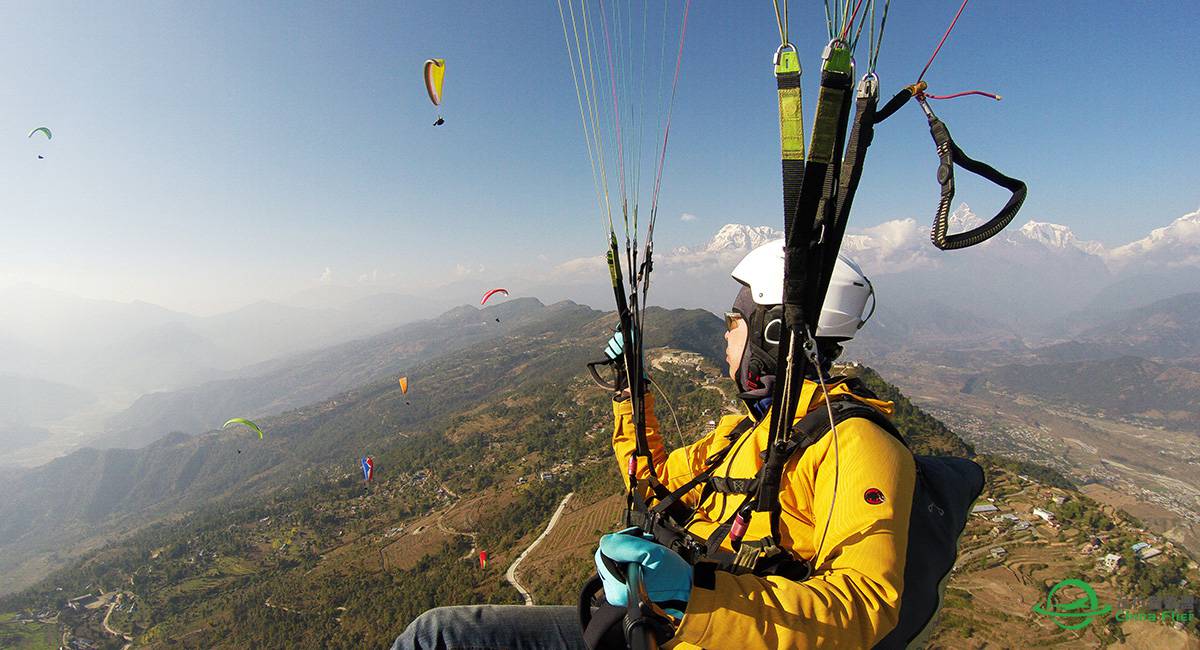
{"points": [[1172, 247], [734, 237], [1036, 277], [1056, 236], [903, 244]]}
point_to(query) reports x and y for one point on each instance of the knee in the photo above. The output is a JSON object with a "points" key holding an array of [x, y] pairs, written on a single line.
{"points": [[427, 631]]}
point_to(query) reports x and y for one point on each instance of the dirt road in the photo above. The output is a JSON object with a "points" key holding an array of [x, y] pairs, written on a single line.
{"points": [[511, 574]]}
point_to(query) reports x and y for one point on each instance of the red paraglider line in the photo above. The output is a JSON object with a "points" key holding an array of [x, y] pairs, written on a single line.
{"points": [[963, 94], [846, 27], [943, 41]]}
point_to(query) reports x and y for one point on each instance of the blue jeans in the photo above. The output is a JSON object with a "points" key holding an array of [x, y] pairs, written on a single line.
{"points": [[493, 627]]}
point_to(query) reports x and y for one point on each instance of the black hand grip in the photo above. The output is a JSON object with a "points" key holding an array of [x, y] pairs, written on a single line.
{"points": [[600, 380], [950, 155]]}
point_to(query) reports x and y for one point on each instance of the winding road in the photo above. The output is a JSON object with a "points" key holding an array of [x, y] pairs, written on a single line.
{"points": [[511, 574], [111, 606]]}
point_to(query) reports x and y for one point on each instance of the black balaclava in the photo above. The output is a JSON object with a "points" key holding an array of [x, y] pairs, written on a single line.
{"points": [[757, 369]]}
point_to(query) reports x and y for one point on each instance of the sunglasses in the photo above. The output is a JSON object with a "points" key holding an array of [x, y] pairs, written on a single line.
{"points": [[731, 320]]}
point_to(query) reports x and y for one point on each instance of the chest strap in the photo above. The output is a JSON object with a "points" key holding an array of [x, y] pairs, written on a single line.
{"points": [[725, 485], [672, 503]]}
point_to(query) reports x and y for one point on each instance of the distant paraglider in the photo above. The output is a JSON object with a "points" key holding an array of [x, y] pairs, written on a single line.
{"points": [[246, 423], [491, 293], [483, 559], [368, 468], [404, 387], [435, 71], [44, 131]]}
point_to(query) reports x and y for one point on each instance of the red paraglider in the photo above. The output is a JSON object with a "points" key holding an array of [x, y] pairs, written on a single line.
{"points": [[482, 559], [492, 293]]}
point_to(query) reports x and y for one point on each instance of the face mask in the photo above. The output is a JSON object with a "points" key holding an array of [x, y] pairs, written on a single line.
{"points": [[756, 370]]}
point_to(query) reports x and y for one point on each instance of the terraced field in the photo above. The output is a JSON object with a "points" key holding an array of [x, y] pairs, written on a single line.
{"points": [[27, 636]]}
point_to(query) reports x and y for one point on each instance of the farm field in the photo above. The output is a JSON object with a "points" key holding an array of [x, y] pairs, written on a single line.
{"points": [[27, 636]]}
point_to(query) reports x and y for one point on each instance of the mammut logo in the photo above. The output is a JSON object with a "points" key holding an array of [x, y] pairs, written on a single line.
{"points": [[873, 496]]}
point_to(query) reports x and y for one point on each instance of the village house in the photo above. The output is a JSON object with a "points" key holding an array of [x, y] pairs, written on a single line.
{"points": [[1046, 516]]}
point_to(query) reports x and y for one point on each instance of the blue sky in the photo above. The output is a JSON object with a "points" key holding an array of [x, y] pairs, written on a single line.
{"points": [[209, 154]]}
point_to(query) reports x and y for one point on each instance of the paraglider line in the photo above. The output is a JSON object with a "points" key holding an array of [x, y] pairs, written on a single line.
{"points": [[662, 156], [616, 115], [848, 23], [943, 41], [963, 94]]}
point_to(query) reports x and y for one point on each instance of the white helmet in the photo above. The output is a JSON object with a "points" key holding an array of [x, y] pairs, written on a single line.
{"points": [[841, 314]]}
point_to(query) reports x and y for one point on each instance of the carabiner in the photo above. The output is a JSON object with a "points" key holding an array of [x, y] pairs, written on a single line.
{"points": [[786, 59]]}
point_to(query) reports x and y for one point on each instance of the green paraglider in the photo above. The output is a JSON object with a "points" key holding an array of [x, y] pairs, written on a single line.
{"points": [[44, 131], [247, 423]]}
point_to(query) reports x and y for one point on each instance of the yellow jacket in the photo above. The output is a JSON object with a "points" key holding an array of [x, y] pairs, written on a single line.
{"points": [[852, 599]]}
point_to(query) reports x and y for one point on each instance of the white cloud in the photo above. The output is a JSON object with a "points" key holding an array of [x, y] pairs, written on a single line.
{"points": [[580, 268], [326, 276], [687, 216], [467, 270]]}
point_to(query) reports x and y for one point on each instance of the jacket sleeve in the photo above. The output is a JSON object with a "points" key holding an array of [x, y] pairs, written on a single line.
{"points": [[853, 598], [672, 470]]}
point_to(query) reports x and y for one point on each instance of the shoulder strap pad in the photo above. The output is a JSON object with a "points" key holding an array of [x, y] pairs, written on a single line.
{"points": [[813, 426]]}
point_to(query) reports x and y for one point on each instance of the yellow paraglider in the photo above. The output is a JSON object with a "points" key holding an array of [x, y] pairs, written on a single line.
{"points": [[247, 423], [435, 71]]}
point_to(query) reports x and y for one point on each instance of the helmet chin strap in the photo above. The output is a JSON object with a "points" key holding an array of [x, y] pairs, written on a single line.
{"points": [[756, 369]]}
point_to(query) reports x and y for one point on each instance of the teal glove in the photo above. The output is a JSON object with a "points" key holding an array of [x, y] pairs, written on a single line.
{"points": [[667, 576], [616, 345]]}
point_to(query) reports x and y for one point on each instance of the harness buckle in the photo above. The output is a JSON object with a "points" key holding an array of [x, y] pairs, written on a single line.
{"points": [[764, 557]]}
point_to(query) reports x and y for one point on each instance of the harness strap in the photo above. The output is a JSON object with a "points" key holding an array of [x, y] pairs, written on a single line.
{"points": [[862, 133], [807, 242], [713, 543], [671, 502]]}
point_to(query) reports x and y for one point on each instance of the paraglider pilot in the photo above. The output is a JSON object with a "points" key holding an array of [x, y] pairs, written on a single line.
{"points": [[854, 546]]}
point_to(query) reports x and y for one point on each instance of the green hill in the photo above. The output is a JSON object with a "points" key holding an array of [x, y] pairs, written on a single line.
{"points": [[283, 546]]}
